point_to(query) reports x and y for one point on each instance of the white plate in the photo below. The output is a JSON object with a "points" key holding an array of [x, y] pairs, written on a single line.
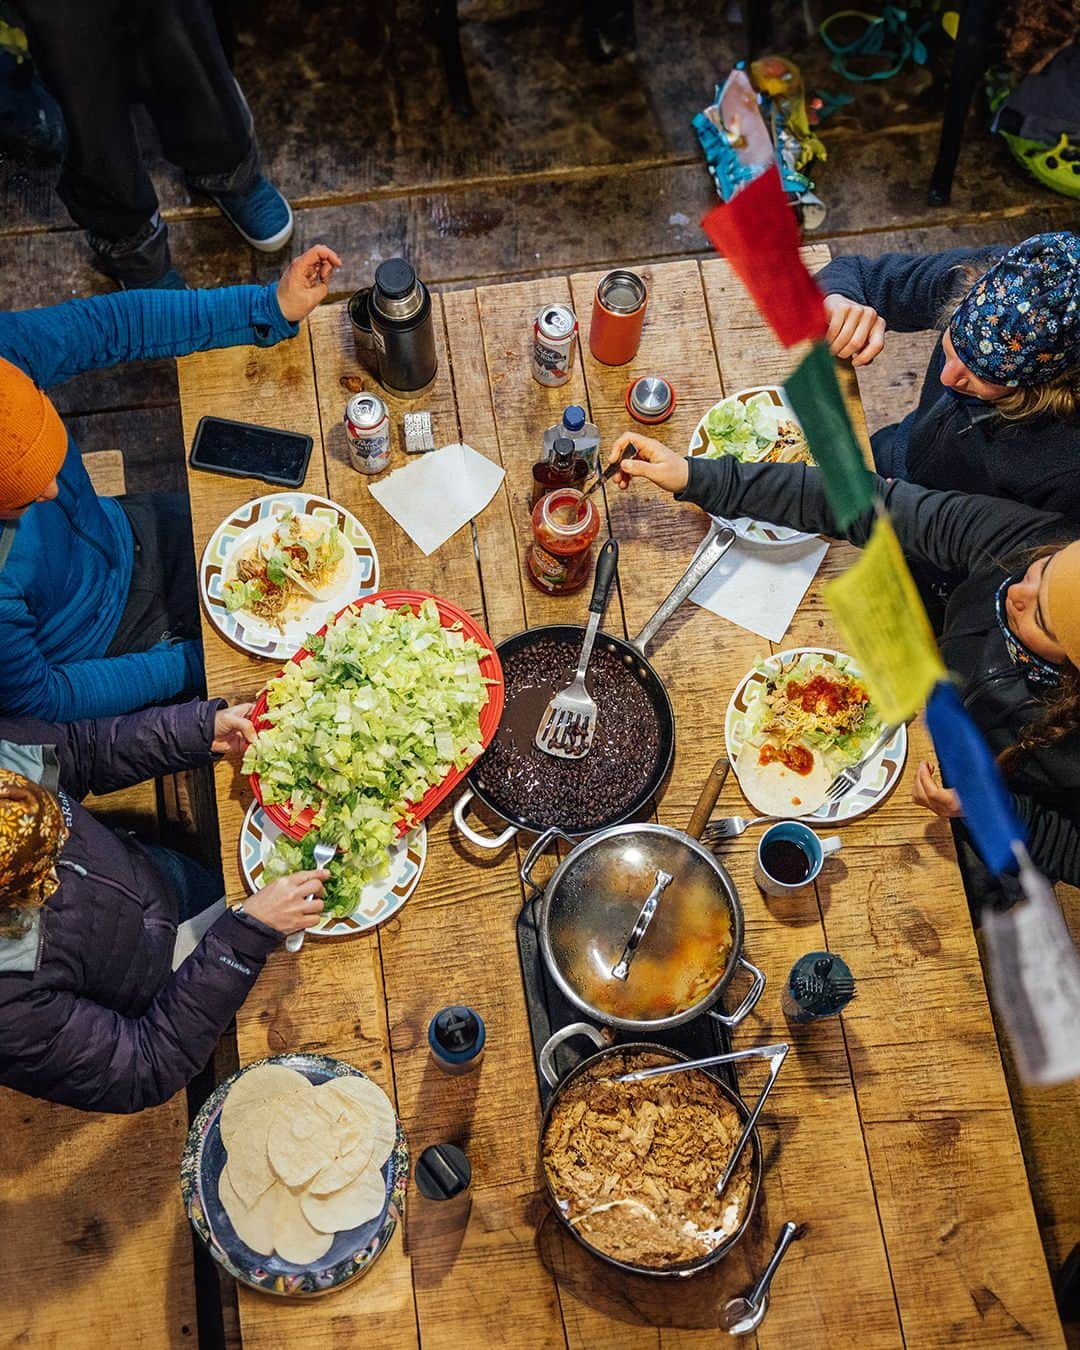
{"points": [[755, 531], [378, 900], [878, 778], [261, 516]]}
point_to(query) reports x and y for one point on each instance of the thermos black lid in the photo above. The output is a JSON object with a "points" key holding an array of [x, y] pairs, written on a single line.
{"points": [[456, 1029], [442, 1171], [395, 278]]}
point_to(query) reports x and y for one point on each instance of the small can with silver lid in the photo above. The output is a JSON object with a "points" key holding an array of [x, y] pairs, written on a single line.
{"points": [[367, 433], [650, 399], [554, 343]]}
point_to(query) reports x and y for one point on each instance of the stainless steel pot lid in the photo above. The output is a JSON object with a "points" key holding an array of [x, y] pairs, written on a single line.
{"points": [[616, 956]]}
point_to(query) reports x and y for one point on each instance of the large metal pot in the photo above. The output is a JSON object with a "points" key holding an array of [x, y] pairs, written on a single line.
{"points": [[592, 909], [488, 790], [612, 1061]]}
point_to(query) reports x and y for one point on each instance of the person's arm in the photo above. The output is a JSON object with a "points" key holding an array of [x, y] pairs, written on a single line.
{"points": [[32, 686], [1053, 840], [54, 344], [954, 531], [108, 753], [908, 290]]}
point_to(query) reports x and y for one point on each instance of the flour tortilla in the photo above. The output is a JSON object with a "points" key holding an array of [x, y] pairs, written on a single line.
{"points": [[262, 1083], [299, 1142], [255, 1224], [249, 1165], [775, 790], [341, 1171], [353, 1205], [379, 1119], [295, 1239]]}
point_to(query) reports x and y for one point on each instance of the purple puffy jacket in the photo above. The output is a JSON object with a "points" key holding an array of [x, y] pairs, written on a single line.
{"points": [[103, 1022]]}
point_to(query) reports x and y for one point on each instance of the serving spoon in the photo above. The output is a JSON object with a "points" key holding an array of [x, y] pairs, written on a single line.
{"points": [[745, 1314]]}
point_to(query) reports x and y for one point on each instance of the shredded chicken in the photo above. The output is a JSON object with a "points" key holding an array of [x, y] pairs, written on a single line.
{"points": [[634, 1166]]}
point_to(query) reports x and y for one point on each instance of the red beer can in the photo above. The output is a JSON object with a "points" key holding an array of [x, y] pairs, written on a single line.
{"points": [[617, 317]]}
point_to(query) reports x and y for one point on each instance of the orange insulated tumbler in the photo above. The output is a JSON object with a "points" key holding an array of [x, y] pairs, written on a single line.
{"points": [[617, 317]]}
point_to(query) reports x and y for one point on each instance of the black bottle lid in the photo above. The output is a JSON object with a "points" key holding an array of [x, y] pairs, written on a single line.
{"points": [[395, 278], [456, 1030], [562, 451], [442, 1171]]}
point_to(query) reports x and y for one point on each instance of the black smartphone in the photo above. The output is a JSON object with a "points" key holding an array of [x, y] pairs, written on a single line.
{"points": [[249, 451]]}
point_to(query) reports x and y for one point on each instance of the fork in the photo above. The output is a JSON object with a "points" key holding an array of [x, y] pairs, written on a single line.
{"points": [[323, 854], [847, 778], [730, 827], [568, 723]]}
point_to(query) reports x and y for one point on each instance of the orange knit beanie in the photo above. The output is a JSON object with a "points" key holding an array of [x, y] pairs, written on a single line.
{"points": [[33, 441]]}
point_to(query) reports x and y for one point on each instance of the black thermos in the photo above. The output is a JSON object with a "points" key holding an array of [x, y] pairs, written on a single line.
{"points": [[402, 332]]}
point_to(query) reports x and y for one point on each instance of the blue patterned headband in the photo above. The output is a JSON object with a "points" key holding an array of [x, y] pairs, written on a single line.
{"points": [[1019, 325]]}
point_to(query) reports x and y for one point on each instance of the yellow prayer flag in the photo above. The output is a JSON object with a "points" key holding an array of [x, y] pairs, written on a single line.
{"points": [[885, 628]]}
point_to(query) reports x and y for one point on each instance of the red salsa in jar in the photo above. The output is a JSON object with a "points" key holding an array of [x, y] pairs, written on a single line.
{"points": [[564, 523]]}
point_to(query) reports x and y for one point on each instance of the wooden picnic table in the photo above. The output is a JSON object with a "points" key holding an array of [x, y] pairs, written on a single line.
{"points": [[889, 1133]]}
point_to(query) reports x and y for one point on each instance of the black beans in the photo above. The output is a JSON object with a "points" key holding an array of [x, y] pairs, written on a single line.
{"points": [[577, 795]]}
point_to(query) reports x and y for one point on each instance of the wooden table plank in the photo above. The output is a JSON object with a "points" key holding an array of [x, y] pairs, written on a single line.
{"points": [[98, 1248]]}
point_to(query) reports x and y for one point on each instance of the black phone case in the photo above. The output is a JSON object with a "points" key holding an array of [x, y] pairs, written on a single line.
{"points": [[277, 479]]}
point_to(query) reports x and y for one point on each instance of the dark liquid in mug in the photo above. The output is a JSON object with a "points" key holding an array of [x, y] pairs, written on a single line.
{"points": [[784, 860]]}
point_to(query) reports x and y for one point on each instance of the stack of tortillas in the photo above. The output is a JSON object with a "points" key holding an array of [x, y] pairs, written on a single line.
{"points": [[304, 1160]]}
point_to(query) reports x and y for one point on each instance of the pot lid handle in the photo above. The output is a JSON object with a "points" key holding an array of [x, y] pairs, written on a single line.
{"points": [[621, 969], [714, 785]]}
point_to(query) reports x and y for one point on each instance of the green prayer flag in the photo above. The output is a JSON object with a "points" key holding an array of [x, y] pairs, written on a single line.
{"points": [[815, 395]]}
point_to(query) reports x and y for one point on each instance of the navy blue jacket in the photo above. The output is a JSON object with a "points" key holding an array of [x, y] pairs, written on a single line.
{"points": [[103, 1022], [960, 444]]}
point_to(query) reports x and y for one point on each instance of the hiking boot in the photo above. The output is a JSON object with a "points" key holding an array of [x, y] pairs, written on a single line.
{"points": [[261, 215], [31, 123]]}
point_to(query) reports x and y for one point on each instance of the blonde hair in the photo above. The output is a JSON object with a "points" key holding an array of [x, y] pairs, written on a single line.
{"points": [[1059, 397]]}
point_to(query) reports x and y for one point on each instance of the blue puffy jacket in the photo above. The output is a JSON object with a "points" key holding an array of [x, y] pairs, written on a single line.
{"points": [[65, 566]]}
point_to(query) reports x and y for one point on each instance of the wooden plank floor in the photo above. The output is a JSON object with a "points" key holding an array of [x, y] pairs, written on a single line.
{"points": [[889, 1133]]}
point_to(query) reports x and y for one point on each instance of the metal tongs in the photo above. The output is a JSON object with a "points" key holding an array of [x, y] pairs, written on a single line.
{"points": [[776, 1054]]}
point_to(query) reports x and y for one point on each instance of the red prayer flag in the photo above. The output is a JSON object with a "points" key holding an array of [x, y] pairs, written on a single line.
{"points": [[757, 232]]}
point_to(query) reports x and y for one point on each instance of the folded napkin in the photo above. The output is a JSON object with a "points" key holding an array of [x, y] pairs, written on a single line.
{"points": [[432, 498], [760, 588]]}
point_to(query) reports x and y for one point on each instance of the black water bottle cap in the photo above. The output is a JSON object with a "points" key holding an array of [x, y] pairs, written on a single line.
{"points": [[442, 1171], [395, 278], [562, 450], [456, 1029]]}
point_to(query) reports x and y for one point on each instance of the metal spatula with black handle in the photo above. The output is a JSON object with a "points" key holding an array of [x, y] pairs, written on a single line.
{"points": [[568, 723]]}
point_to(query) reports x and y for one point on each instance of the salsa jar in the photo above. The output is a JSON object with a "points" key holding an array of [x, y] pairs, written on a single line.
{"points": [[565, 523]]}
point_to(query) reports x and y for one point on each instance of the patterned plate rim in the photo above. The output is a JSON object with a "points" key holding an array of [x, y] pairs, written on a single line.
{"points": [[340, 927], [282, 647], [892, 757], [191, 1185], [753, 531]]}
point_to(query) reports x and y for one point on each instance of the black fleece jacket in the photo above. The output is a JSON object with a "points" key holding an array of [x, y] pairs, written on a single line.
{"points": [[977, 541], [960, 444]]}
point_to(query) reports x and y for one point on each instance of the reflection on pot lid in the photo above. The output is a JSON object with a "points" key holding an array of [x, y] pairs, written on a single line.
{"points": [[597, 898]]}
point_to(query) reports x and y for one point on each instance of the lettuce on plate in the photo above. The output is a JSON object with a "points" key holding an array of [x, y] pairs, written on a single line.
{"points": [[745, 430], [385, 706]]}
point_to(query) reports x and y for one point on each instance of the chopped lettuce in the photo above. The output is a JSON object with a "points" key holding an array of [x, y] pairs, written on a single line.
{"points": [[745, 430], [838, 746], [385, 706]]}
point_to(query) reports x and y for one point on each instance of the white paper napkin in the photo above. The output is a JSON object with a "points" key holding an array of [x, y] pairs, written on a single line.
{"points": [[432, 498], [760, 588]]}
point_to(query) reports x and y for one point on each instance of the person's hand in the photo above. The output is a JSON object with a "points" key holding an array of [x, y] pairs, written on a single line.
{"points": [[928, 792], [305, 282], [654, 461], [233, 732], [290, 903], [855, 331]]}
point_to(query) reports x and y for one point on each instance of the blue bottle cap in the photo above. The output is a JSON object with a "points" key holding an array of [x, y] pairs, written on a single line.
{"points": [[456, 1034], [573, 419]]}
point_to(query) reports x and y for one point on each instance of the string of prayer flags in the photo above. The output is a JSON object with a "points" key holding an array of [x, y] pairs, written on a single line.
{"points": [[819, 405], [1035, 980], [757, 232], [968, 766], [885, 627]]}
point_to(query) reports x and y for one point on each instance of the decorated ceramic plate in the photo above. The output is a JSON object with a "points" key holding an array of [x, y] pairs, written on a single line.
{"points": [[245, 537], [350, 1254], [378, 900], [879, 777], [754, 531]]}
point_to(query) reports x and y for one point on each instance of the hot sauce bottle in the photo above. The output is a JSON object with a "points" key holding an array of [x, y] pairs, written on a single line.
{"points": [[563, 468], [565, 523]]}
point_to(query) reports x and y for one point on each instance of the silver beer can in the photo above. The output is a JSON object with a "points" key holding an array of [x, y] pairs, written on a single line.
{"points": [[367, 432], [554, 342]]}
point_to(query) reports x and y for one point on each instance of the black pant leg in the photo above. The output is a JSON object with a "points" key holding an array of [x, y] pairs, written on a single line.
{"points": [[83, 50], [163, 601], [190, 92]]}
